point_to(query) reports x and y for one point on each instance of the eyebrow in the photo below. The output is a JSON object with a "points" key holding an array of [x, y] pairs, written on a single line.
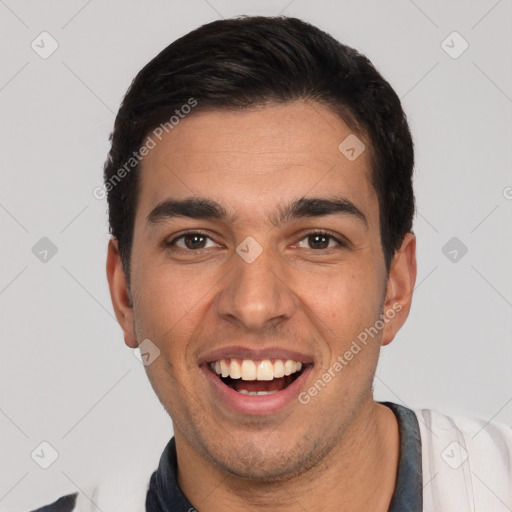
{"points": [[204, 208]]}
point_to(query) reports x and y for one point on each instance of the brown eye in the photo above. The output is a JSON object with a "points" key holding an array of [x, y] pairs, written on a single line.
{"points": [[190, 241], [319, 240]]}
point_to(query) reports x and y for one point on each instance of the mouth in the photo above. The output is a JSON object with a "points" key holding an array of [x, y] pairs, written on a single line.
{"points": [[257, 378], [261, 386]]}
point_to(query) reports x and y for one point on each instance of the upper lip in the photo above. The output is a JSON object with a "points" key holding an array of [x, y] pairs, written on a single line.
{"points": [[255, 354]]}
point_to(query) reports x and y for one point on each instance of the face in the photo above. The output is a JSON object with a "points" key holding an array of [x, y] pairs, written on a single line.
{"points": [[256, 306]]}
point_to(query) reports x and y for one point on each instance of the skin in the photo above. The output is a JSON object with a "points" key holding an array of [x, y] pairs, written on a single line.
{"points": [[340, 451]]}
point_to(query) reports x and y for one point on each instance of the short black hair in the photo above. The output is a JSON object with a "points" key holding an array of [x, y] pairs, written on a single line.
{"points": [[251, 61]]}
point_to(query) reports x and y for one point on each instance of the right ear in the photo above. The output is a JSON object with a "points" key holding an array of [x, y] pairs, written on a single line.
{"points": [[120, 294]]}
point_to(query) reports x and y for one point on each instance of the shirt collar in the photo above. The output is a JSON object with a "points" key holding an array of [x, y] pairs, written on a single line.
{"points": [[408, 493]]}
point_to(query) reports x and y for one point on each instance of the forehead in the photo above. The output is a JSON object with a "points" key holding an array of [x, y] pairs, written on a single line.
{"points": [[255, 158]]}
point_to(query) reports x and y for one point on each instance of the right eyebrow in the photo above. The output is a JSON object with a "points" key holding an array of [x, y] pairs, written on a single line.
{"points": [[194, 208]]}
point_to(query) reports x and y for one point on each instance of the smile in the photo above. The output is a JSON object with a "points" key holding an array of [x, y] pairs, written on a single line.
{"points": [[257, 378], [257, 386]]}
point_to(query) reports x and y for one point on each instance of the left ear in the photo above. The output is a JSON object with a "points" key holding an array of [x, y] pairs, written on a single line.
{"points": [[401, 280]]}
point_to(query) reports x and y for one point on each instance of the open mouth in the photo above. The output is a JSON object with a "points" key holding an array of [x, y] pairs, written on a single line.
{"points": [[257, 378]]}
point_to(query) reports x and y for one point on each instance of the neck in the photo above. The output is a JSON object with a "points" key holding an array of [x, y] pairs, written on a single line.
{"points": [[358, 474]]}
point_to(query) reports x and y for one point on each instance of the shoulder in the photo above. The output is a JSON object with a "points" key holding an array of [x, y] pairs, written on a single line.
{"points": [[118, 490], [466, 462], [64, 504], [471, 435]]}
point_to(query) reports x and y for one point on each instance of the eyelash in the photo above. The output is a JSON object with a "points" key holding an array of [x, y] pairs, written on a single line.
{"points": [[322, 232]]}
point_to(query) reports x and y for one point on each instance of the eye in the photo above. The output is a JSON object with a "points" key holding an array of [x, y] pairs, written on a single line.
{"points": [[196, 241], [192, 241], [320, 240]]}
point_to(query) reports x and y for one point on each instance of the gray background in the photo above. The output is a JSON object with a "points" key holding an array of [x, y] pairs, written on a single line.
{"points": [[66, 376]]}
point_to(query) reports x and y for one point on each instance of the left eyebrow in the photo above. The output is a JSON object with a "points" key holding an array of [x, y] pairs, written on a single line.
{"points": [[204, 208], [317, 207]]}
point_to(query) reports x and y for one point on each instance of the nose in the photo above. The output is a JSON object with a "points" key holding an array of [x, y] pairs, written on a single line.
{"points": [[256, 294]]}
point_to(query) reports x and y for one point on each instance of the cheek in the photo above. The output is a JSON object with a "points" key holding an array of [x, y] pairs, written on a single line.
{"points": [[165, 298], [169, 307], [348, 297], [348, 305]]}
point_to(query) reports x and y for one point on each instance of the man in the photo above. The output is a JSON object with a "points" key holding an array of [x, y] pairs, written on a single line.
{"points": [[260, 201]]}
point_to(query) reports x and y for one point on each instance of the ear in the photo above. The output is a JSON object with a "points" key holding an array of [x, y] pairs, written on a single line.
{"points": [[401, 280], [120, 294]]}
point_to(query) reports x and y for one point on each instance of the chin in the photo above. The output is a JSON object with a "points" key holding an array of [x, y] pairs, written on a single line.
{"points": [[268, 464]]}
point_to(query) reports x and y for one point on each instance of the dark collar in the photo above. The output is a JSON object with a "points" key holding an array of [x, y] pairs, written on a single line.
{"points": [[408, 494], [165, 495]]}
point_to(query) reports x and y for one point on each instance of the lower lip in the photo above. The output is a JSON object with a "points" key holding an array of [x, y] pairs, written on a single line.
{"points": [[257, 404]]}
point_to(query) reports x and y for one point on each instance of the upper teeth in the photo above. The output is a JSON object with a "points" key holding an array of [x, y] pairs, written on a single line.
{"points": [[247, 369]]}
